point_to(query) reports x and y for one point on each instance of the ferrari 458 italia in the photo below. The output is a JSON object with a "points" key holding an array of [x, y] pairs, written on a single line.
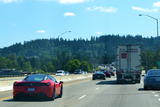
{"points": [[37, 86]]}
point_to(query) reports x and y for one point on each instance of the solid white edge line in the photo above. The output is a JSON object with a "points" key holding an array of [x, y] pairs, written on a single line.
{"points": [[156, 95], [153, 92], [82, 97]]}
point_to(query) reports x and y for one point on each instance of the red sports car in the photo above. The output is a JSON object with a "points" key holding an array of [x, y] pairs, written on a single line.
{"points": [[37, 86]]}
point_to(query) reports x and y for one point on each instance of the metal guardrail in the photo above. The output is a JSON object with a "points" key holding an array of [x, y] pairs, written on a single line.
{"points": [[3, 76], [19, 77]]}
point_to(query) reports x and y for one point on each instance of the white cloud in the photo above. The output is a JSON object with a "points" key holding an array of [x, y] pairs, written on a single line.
{"points": [[99, 33], [144, 9], [71, 1], [68, 1], [10, 1], [69, 14], [59, 1], [156, 4], [41, 31], [103, 9]]}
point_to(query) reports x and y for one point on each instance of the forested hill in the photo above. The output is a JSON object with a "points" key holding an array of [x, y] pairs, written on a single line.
{"points": [[96, 47]]}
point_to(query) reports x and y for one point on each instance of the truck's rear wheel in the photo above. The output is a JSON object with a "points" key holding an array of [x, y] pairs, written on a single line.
{"points": [[119, 82], [138, 81]]}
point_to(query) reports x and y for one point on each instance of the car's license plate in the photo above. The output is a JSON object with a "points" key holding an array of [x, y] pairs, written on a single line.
{"points": [[31, 89]]}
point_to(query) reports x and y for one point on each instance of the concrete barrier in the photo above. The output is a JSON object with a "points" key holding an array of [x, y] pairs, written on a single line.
{"points": [[7, 83]]}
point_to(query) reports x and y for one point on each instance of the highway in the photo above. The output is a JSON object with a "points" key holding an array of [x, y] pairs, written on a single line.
{"points": [[98, 93]]}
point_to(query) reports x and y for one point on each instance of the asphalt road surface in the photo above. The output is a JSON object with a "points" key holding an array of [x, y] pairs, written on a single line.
{"points": [[96, 93]]}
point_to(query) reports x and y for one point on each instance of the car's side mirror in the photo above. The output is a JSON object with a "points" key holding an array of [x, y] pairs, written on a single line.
{"points": [[143, 75], [61, 82]]}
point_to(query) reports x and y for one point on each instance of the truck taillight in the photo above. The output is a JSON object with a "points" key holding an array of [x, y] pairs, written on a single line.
{"points": [[118, 72], [124, 55]]}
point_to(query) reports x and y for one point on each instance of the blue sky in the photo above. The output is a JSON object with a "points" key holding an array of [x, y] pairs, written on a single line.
{"points": [[24, 20]]}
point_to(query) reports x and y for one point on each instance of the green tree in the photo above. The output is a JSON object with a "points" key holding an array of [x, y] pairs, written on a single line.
{"points": [[3, 63], [85, 66], [72, 65], [44, 68], [50, 67], [12, 61], [20, 61], [40, 71], [147, 59], [26, 66]]}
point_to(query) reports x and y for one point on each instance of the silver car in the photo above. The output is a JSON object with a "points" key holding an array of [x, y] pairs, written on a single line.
{"points": [[60, 73]]}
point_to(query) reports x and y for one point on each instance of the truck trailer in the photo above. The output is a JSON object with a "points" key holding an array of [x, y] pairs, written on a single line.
{"points": [[128, 64]]}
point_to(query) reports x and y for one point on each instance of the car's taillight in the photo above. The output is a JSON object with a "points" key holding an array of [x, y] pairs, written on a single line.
{"points": [[15, 84], [48, 84]]}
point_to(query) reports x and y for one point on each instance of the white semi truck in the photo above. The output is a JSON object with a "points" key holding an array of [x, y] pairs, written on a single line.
{"points": [[128, 64]]}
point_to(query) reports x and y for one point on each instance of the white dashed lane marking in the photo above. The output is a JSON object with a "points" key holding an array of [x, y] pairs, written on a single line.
{"points": [[82, 97], [156, 95], [97, 88]]}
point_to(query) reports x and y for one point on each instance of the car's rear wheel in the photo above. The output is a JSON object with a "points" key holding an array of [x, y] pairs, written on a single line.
{"points": [[61, 93], [145, 87], [104, 78], [93, 78], [15, 98]]}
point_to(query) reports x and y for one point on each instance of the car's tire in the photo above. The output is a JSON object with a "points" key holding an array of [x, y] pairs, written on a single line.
{"points": [[61, 93], [93, 78], [145, 87], [15, 98], [104, 78]]}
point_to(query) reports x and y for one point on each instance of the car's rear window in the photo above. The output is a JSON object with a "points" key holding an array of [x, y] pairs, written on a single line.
{"points": [[154, 73], [59, 72], [99, 72], [35, 78]]}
